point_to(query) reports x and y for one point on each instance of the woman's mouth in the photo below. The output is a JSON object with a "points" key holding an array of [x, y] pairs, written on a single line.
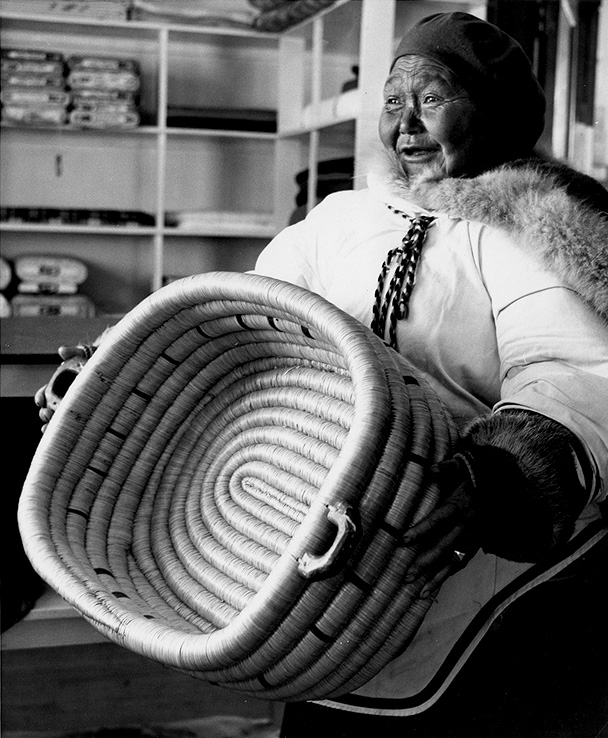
{"points": [[417, 154]]}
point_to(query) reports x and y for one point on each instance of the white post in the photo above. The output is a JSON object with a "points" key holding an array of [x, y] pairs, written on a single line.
{"points": [[375, 56]]}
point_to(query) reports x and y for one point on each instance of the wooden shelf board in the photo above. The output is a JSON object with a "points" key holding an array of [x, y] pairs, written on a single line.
{"points": [[42, 336], [51, 622], [141, 25], [81, 229]]}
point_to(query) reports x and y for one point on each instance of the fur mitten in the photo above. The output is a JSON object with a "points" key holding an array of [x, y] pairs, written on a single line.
{"points": [[528, 491]]}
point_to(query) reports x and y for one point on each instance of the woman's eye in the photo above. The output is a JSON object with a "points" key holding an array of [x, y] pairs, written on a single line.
{"points": [[430, 99], [391, 100]]}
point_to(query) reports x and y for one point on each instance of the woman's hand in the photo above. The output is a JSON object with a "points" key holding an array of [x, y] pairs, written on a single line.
{"points": [[512, 489], [48, 397], [447, 536]]}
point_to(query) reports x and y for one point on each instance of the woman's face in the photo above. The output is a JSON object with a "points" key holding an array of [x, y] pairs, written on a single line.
{"points": [[430, 123]]}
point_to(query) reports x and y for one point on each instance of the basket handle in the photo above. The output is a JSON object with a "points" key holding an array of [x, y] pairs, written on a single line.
{"points": [[62, 379], [318, 567]]}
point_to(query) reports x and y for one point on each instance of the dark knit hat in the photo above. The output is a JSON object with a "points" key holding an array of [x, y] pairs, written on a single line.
{"points": [[489, 64]]}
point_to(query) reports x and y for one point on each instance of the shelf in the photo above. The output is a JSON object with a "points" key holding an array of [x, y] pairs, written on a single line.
{"points": [[138, 25], [219, 133], [344, 108], [23, 338], [29, 348], [82, 230], [51, 622], [222, 231], [141, 131], [226, 230], [67, 128]]}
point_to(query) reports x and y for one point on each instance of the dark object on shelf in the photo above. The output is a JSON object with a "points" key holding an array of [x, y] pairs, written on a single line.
{"points": [[351, 84], [244, 119], [343, 166], [76, 216], [288, 13], [333, 175]]}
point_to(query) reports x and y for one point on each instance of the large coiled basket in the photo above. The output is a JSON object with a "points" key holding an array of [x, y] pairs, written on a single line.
{"points": [[226, 483]]}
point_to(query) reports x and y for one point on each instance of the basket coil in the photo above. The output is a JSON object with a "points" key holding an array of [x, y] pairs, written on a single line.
{"points": [[224, 487]]}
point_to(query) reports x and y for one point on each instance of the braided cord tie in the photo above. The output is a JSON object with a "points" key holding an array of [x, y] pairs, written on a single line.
{"points": [[395, 304]]}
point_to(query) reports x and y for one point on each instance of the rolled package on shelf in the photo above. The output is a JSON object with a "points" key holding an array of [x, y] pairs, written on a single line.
{"points": [[103, 79], [50, 269], [6, 273], [108, 117], [60, 306]]}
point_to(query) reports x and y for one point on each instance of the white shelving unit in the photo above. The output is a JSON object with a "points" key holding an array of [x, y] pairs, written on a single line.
{"points": [[153, 168], [245, 178]]}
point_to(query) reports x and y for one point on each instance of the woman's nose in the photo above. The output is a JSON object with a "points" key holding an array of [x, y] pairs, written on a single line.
{"points": [[410, 121]]}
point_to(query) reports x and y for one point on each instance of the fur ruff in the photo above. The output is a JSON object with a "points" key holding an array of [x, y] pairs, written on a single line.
{"points": [[531, 200]]}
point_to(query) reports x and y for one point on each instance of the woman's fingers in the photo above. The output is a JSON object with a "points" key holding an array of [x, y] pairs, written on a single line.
{"points": [[439, 555], [433, 584]]}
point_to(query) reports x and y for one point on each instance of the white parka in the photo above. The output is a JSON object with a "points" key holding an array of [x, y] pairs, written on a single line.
{"points": [[509, 310]]}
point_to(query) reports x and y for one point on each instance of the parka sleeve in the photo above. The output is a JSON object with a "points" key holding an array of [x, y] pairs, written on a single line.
{"points": [[553, 348], [286, 256]]}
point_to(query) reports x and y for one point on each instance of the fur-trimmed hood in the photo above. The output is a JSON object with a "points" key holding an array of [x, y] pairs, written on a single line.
{"points": [[559, 213]]}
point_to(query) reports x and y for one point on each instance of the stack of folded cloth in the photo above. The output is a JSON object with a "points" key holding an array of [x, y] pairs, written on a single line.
{"points": [[102, 9], [105, 91], [48, 285], [33, 88], [227, 13], [276, 15], [333, 175]]}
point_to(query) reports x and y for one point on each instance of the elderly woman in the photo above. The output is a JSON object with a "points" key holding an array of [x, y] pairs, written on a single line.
{"points": [[487, 268]]}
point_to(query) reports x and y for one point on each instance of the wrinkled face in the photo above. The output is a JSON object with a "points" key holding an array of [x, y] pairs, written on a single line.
{"points": [[430, 123]]}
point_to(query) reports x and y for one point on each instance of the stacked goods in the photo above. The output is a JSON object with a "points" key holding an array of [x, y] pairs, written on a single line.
{"points": [[228, 13], [104, 92], [48, 285], [103, 9], [33, 90], [76, 216], [277, 15]]}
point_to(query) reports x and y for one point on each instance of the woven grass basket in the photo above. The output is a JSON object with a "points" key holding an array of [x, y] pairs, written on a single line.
{"points": [[224, 487]]}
